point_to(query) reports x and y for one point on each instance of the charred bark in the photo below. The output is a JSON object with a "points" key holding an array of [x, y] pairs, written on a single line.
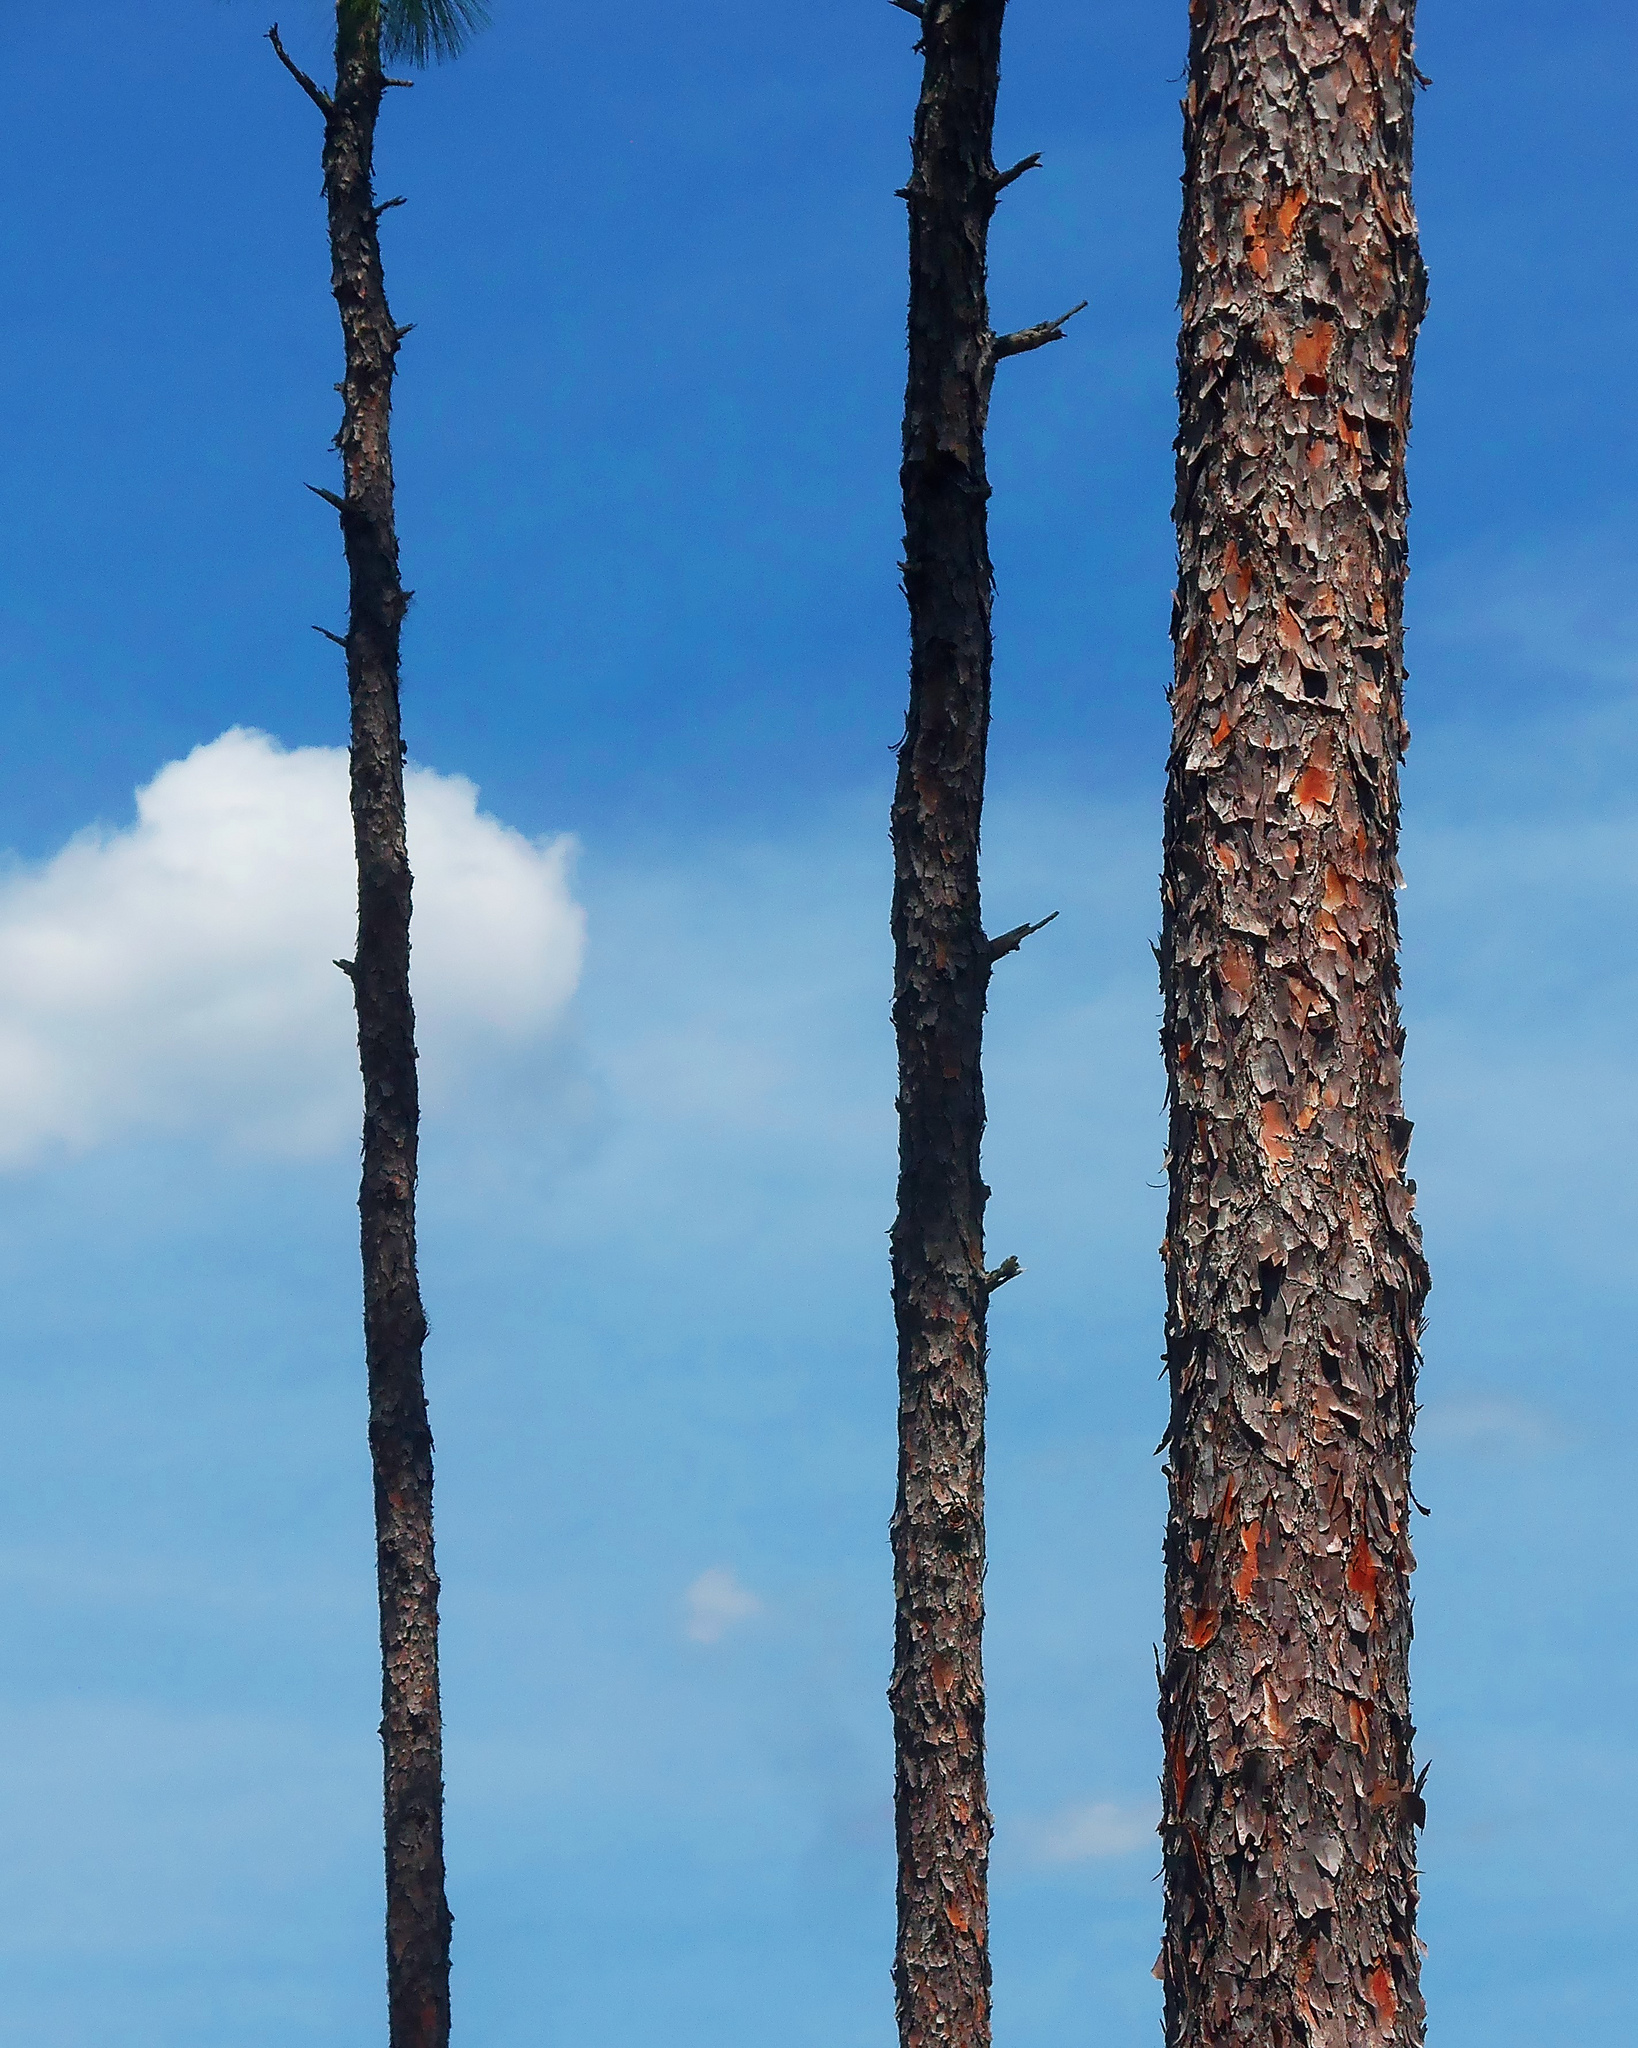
{"points": [[941, 979], [1294, 1266], [418, 1917]]}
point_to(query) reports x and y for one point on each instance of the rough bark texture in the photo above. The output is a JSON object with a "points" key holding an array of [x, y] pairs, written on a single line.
{"points": [[942, 970], [418, 1917], [1294, 1266]]}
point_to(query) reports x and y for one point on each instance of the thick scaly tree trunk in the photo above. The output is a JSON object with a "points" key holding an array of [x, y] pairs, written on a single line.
{"points": [[418, 1917], [1294, 1265], [941, 979]]}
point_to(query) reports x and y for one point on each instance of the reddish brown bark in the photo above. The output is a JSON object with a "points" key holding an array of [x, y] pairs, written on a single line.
{"points": [[1294, 1265], [418, 1917], [941, 979]]}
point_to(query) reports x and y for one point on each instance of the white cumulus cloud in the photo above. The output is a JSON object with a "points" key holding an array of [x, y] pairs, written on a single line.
{"points": [[716, 1603], [176, 975]]}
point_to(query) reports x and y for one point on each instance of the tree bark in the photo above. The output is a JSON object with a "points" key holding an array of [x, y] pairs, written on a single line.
{"points": [[1294, 1266], [941, 977], [418, 1917]]}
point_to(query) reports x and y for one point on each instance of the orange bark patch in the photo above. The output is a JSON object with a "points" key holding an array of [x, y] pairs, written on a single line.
{"points": [[1227, 856], [944, 1675], [1310, 360], [1336, 894], [1359, 1724], [1383, 1996], [1305, 2005], [1235, 968], [956, 1914], [1224, 728], [1200, 1630], [1255, 240], [1246, 1577], [1317, 784], [1286, 218], [1276, 1136], [1236, 575], [1260, 222], [1219, 607], [1362, 1577]]}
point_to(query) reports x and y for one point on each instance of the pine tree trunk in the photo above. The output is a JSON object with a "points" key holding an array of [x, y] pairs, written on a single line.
{"points": [[942, 970], [418, 1917], [1294, 1265]]}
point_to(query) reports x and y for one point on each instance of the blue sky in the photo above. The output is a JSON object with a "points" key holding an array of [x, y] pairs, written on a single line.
{"points": [[647, 451]]}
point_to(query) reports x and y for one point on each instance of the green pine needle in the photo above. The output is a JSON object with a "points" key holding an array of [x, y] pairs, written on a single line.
{"points": [[428, 31]]}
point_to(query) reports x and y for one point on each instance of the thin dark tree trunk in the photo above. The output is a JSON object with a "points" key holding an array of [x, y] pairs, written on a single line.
{"points": [[1294, 1264], [941, 979], [418, 1917]]}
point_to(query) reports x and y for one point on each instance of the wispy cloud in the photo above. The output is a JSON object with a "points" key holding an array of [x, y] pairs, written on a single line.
{"points": [[1086, 1832], [1488, 1422], [176, 975], [716, 1604]]}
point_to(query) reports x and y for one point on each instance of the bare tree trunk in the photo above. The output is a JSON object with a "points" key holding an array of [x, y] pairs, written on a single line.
{"points": [[418, 1917], [941, 979], [1294, 1264]]}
